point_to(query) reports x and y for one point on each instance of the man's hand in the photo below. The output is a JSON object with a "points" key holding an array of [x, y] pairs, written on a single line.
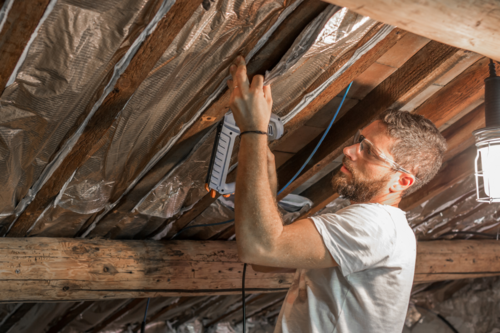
{"points": [[251, 104]]}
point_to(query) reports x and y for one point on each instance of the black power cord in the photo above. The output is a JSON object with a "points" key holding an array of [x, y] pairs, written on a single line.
{"points": [[291, 180], [440, 317], [143, 324], [243, 299]]}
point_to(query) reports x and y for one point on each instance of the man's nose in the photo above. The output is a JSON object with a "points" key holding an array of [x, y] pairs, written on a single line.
{"points": [[351, 152]]}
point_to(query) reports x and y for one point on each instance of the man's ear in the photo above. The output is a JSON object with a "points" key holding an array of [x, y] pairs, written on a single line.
{"points": [[403, 183]]}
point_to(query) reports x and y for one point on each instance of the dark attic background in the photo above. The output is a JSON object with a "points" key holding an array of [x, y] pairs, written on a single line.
{"points": [[108, 113]]}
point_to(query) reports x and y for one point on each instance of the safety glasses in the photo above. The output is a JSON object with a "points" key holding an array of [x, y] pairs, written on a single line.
{"points": [[373, 154]]}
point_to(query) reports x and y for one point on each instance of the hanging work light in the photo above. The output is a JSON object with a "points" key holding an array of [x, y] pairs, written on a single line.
{"points": [[487, 164]]}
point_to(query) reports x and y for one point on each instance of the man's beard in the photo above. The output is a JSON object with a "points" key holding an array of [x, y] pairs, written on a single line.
{"points": [[357, 189]]}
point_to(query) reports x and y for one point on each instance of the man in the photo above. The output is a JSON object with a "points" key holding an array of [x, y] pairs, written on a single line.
{"points": [[354, 268]]}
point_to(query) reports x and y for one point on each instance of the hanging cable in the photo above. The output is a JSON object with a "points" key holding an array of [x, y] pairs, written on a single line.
{"points": [[288, 184], [320, 141], [440, 317], [143, 324], [243, 299]]}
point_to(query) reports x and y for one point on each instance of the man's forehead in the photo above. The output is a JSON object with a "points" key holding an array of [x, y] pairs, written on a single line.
{"points": [[377, 133]]}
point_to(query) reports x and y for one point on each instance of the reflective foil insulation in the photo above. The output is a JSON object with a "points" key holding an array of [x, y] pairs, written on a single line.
{"points": [[74, 51], [327, 38], [186, 75]]}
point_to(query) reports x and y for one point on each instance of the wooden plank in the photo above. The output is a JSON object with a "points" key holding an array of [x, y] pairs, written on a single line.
{"points": [[116, 315], [21, 23], [342, 81], [45, 269], [468, 24], [457, 259], [67, 269], [141, 64], [459, 135], [452, 171], [456, 95], [431, 62], [70, 315], [336, 87], [161, 312], [16, 316]]}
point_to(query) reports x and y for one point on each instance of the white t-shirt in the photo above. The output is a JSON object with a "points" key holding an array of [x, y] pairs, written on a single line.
{"points": [[370, 289]]}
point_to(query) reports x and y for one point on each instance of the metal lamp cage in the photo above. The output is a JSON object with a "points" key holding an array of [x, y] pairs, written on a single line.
{"points": [[487, 139]]}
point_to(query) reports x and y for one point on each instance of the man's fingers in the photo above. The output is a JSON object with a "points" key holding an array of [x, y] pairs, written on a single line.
{"points": [[239, 74], [257, 82], [267, 95]]}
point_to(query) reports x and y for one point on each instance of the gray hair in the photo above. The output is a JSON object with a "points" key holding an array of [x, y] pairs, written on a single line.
{"points": [[419, 146]]}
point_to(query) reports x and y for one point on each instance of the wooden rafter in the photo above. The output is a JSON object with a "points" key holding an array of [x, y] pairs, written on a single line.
{"points": [[70, 315], [452, 171], [431, 62], [21, 22], [16, 316], [141, 64], [468, 24]]}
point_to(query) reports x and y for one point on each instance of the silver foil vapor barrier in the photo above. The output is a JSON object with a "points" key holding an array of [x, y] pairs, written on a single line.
{"points": [[326, 39], [189, 73], [71, 53]]}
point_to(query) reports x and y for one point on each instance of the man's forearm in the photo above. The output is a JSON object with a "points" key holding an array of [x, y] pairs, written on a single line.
{"points": [[258, 222]]}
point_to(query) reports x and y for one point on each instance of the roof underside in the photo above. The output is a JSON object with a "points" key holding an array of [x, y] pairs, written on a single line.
{"points": [[108, 124]]}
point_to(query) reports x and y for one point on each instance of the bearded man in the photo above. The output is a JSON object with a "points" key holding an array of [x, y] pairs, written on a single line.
{"points": [[354, 268]]}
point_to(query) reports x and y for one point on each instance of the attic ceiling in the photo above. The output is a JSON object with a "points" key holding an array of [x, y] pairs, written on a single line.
{"points": [[108, 115]]}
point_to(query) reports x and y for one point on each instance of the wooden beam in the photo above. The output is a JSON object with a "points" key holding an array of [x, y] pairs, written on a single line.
{"points": [[459, 135], [456, 95], [116, 315], [335, 88], [452, 171], [21, 23], [141, 64], [61, 269], [16, 316], [43, 269], [427, 65], [70, 315], [457, 259], [468, 24]]}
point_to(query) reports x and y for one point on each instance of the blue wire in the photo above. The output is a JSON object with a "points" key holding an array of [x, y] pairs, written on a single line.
{"points": [[320, 141], [295, 176]]}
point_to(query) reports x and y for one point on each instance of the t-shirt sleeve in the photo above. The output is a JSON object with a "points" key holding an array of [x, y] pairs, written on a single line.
{"points": [[358, 237]]}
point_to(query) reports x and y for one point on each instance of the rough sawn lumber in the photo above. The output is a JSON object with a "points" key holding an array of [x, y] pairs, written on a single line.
{"points": [[468, 24], [21, 22], [44, 269], [41, 269]]}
